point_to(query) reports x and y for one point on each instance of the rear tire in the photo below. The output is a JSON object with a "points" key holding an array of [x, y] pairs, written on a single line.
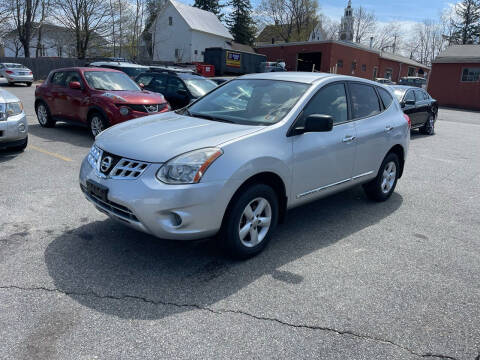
{"points": [[43, 115], [251, 219], [97, 123], [10, 84], [429, 127], [29, 84], [382, 187]]}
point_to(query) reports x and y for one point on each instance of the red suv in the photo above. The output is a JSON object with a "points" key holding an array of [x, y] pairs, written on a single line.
{"points": [[94, 97]]}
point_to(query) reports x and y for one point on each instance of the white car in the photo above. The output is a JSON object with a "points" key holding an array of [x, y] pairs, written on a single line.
{"points": [[131, 69], [235, 160], [13, 122], [16, 73]]}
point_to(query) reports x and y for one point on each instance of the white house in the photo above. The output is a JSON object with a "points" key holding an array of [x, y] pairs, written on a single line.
{"points": [[181, 33]]}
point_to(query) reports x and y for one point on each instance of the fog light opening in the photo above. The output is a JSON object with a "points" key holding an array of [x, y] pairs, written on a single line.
{"points": [[176, 219], [21, 127]]}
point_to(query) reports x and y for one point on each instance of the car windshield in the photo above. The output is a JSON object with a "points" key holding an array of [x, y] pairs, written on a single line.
{"points": [[199, 87], [399, 94], [109, 80], [132, 71], [249, 101], [14, 66]]}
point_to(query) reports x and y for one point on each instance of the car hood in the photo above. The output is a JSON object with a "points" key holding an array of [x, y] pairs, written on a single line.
{"points": [[158, 138], [135, 97], [6, 96]]}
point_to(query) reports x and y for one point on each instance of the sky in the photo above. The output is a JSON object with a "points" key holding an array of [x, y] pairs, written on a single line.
{"points": [[388, 10]]}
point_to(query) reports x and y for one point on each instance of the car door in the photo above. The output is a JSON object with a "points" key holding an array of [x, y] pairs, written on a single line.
{"points": [[410, 109], [372, 127], [54, 98], [74, 101], [323, 161], [177, 93], [422, 107]]}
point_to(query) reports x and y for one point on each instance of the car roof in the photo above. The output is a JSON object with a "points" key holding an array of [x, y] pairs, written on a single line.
{"points": [[305, 77], [404, 87], [117, 64], [86, 68]]}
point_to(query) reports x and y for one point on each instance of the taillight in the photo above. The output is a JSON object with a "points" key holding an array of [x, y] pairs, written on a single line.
{"points": [[9, 72], [30, 73], [408, 120]]}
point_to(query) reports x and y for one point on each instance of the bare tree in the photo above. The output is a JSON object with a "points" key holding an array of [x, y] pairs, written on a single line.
{"points": [[388, 37], [86, 18], [45, 4], [24, 14], [364, 24], [294, 19], [426, 41]]}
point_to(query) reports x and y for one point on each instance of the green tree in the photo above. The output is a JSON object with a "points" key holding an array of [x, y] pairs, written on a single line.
{"points": [[210, 5], [467, 27], [240, 22]]}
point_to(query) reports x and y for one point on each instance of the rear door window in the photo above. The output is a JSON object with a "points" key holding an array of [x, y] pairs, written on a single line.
{"points": [[419, 95], [386, 97], [364, 100], [72, 76], [330, 100]]}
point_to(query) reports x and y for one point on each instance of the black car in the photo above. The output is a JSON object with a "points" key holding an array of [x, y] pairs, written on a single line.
{"points": [[419, 106], [413, 81], [179, 88]]}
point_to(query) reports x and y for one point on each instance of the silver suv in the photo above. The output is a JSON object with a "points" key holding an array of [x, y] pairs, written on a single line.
{"points": [[232, 163]]}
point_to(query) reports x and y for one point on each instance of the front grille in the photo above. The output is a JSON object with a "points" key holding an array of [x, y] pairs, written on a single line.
{"points": [[148, 108], [111, 206], [118, 168]]}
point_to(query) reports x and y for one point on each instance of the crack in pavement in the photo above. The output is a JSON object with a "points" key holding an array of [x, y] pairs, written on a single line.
{"points": [[239, 312]]}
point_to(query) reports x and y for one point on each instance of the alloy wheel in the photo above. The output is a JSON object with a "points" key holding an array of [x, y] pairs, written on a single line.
{"points": [[96, 125], [42, 114], [388, 177], [255, 222]]}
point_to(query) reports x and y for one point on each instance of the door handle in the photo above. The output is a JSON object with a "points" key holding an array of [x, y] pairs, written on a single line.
{"points": [[388, 128], [348, 138]]}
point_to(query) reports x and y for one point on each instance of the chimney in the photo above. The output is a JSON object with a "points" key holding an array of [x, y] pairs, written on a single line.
{"points": [[371, 42]]}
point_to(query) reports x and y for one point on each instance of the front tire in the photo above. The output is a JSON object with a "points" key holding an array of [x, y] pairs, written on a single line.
{"points": [[429, 127], [43, 115], [97, 123], [29, 84], [382, 187], [250, 221]]}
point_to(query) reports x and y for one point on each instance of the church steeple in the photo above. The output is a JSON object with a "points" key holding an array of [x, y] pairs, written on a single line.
{"points": [[346, 27]]}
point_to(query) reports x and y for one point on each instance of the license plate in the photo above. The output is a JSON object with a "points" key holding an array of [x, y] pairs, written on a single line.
{"points": [[23, 73], [98, 190]]}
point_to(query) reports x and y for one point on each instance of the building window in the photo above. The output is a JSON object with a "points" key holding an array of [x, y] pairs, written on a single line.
{"points": [[340, 63], [177, 52], [364, 67], [411, 71], [354, 65], [170, 21], [196, 52], [203, 52], [388, 74], [470, 74]]}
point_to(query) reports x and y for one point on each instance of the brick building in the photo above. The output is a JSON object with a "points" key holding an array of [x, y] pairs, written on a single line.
{"points": [[343, 57], [455, 79]]}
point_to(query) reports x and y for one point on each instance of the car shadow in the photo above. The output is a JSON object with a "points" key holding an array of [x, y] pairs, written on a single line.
{"points": [[416, 134], [63, 132], [104, 260], [8, 154]]}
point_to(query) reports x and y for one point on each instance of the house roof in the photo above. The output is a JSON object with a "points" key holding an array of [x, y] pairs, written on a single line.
{"points": [[402, 59], [459, 54], [382, 54], [201, 20], [270, 32]]}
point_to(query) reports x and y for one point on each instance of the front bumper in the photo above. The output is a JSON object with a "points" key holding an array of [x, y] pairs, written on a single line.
{"points": [[175, 212], [13, 130]]}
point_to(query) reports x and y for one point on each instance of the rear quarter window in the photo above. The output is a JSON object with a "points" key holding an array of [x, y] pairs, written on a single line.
{"points": [[387, 99]]}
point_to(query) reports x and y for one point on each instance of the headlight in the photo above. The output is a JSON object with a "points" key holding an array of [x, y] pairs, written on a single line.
{"points": [[14, 108], [188, 168]]}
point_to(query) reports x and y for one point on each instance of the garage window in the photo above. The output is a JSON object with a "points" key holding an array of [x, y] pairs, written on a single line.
{"points": [[470, 74], [340, 63], [170, 21], [364, 67]]}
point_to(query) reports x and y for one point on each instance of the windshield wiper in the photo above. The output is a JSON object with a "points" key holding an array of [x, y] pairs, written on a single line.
{"points": [[210, 117]]}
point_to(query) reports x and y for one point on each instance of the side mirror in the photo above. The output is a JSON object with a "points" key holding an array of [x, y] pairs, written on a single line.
{"points": [[75, 85], [141, 86], [316, 123]]}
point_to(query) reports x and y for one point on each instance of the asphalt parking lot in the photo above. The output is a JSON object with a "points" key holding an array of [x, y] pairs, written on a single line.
{"points": [[344, 278]]}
